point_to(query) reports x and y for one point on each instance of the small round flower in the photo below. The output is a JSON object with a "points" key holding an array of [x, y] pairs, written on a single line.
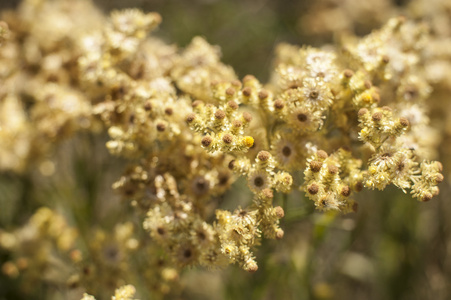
{"points": [[286, 152], [377, 116], [263, 156], [258, 181], [247, 91], [161, 127], [279, 104], [246, 117], [248, 141], [403, 169], [385, 159], [322, 154], [202, 233], [348, 73], [313, 189], [230, 91], [206, 141], [232, 105], [279, 234], [279, 212], [227, 138], [345, 191], [200, 186], [169, 111], [326, 203], [263, 94], [315, 166], [316, 93], [220, 114], [305, 120], [186, 254]]}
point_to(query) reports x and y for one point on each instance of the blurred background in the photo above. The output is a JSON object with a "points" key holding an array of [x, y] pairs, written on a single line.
{"points": [[392, 248]]}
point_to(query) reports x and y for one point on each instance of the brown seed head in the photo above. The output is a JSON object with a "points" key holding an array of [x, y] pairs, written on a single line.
{"points": [[315, 166], [190, 118], [230, 91], [247, 117], [247, 91], [313, 189], [231, 164], [227, 138], [348, 73], [252, 268], [279, 234], [197, 103], [263, 155], [404, 122], [385, 59], [345, 191], [268, 193], [367, 84], [426, 197], [322, 154], [148, 106], [248, 78], [161, 127], [236, 83], [333, 169], [377, 116], [436, 191], [169, 111], [362, 112], [206, 141], [263, 94], [232, 104], [439, 178], [278, 104], [279, 212], [237, 123], [220, 114]]}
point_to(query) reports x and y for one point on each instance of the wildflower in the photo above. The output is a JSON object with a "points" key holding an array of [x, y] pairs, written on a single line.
{"points": [[305, 120], [285, 152], [258, 181], [316, 94]]}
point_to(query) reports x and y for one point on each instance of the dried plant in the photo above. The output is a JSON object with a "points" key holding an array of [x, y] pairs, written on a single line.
{"points": [[330, 122]]}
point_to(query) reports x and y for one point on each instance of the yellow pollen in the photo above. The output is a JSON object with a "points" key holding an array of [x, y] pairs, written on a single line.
{"points": [[248, 141]]}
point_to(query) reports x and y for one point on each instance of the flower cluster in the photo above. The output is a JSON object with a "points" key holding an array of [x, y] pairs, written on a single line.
{"points": [[347, 117]]}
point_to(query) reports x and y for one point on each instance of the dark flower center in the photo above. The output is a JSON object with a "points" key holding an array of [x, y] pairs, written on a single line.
{"points": [[313, 95], [187, 253], [286, 151], [258, 181], [302, 117]]}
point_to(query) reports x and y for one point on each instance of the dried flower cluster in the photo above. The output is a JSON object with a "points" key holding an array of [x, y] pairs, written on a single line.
{"points": [[348, 117]]}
